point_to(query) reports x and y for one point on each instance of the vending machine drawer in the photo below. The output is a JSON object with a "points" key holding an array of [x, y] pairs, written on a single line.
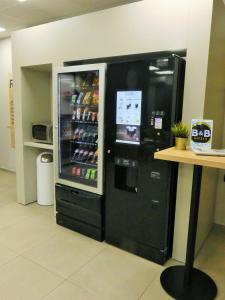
{"points": [[80, 211], [86, 229], [86, 200]]}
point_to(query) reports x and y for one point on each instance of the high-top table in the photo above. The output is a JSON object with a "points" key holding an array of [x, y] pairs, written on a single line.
{"points": [[187, 282]]}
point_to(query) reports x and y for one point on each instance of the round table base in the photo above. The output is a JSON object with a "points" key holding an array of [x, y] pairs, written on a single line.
{"points": [[201, 288]]}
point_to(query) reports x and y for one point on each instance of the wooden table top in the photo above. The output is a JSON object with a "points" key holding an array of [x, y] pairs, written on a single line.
{"points": [[189, 157]]}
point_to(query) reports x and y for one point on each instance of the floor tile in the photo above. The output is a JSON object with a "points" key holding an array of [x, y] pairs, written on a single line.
{"points": [[211, 259], [171, 262], [7, 184], [22, 279], [34, 209], [6, 255], [7, 187], [65, 253], [155, 290], [116, 274], [7, 195], [68, 291], [7, 177], [28, 233], [11, 214], [50, 253]]}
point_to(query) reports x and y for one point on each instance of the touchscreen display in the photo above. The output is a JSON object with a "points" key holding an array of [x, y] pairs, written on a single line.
{"points": [[128, 116]]}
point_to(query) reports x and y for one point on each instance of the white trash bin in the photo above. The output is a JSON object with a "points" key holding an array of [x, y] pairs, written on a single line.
{"points": [[45, 184]]}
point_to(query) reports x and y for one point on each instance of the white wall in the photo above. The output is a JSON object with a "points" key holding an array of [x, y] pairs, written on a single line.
{"points": [[7, 154], [200, 18], [218, 92], [220, 199], [145, 26]]}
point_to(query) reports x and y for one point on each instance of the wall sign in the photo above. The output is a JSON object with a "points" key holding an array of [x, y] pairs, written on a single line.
{"points": [[201, 133], [11, 112]]}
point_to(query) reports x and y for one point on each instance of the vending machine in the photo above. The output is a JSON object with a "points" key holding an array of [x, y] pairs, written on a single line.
{"points": [[79, 138], [144, 98]]}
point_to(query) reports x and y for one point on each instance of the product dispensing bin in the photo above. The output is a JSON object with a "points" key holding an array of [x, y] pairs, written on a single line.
{"points": [[45, 187]]}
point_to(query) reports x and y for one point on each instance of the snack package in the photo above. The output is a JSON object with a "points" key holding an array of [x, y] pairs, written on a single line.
{"points": [[83, 172], [79, 114], [87, 98], [95, 81], [79, 98], [81, 153], [94, 117], [81, 132], [85, 114], [76, 134], [93, 175], [89, 80], [88, 174], [77, 81], [88, 137], [74, 171], [74, 98], [74, 115], [89, 116], [76, 154], [95, 157], [78, 171], [90, 156], [95, 136], [95, 97], [84, 137], [85, 155]]}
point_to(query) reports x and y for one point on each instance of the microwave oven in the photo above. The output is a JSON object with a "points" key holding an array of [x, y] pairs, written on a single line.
{"points": [[42, 132]]}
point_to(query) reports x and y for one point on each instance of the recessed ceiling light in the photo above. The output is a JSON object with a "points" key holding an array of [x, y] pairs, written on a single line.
{"points": [[2, 29], [21, 0]]}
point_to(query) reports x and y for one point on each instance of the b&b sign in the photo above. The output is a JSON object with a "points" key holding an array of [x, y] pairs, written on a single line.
{"points": [[201, 133]]}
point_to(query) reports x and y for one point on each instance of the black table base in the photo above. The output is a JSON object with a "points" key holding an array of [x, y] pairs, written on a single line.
{"points": [[186, 282], [201, 286]]}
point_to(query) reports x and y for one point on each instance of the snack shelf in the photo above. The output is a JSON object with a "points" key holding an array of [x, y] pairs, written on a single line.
{"points": [[87, 180], [84, 143], [66, 139], [39, 145], [84, 105], [79, 89], [84, 122], [84, 163], [68, 175], [87, 88]]}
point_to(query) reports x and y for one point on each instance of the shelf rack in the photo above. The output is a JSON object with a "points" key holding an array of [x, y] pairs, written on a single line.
{"points": [[39, 145]]}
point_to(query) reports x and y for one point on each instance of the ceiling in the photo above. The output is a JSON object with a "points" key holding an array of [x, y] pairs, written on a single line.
{"points": [[16, 15]]}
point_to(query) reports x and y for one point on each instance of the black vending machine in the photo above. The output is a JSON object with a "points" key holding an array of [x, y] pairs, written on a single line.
{"points": [[143, 99]]}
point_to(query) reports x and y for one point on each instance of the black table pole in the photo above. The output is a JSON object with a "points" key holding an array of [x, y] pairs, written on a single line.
{"points": [[186, 282]]}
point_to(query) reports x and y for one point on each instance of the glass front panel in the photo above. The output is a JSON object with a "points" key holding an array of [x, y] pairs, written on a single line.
{"points": [[78, 126]]}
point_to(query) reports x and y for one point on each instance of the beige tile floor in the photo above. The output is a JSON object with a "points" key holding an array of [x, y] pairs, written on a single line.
{"points": [[41, 260]]}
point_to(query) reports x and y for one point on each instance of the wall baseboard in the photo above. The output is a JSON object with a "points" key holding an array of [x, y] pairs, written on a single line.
{"points": [[8, 170], [220, 227]]}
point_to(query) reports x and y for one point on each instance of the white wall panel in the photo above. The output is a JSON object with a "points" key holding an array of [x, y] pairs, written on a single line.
{"points": [[7, 154]]}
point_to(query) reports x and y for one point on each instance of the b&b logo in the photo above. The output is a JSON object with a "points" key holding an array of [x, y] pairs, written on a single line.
{"points": [[201, 133]]}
